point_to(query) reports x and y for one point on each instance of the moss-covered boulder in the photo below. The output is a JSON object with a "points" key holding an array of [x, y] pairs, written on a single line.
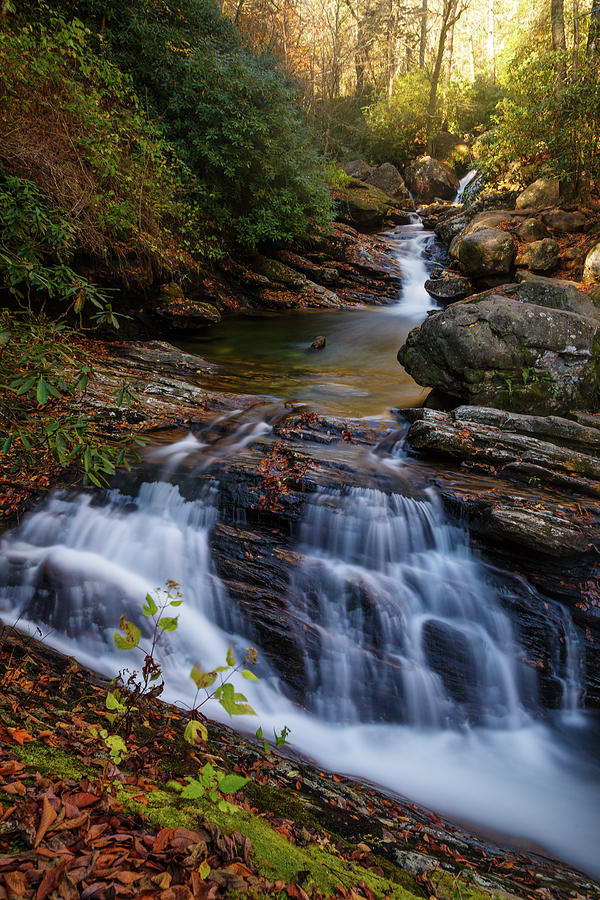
{"points": [[512, 355], [539, 256], [364, 208], [487, 251]]}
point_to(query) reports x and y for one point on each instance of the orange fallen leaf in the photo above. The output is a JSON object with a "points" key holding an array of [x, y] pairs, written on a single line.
{"points": [[20, 736]]}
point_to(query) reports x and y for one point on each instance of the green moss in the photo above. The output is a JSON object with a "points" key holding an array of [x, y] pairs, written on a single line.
{"points": [[281, 803], [51, 761]]}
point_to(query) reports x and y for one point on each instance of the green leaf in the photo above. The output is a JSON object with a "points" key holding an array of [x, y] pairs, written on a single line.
{"points": [[42, 391], [113, 702], [194, 790], [204, 870], [201, 678], [230, 657], [229, 784], [193, 731], [168, 623], [208, 771], [131, 638], [248, 675], [150, 609], [176, 602]]}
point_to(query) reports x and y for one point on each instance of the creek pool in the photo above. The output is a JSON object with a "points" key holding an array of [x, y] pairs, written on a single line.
{"points": [[357, 373]]}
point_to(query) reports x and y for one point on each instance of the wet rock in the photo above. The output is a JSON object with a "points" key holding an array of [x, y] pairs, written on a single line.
{"points": [[318, 343], [503, 353], [490, 437], [591, 268], [488, 251], [428, 178], [181, 311], [542, 193], [448, 289], [564, 222], [451, 227], [532, 230], [322, 274], [539, 256], [556, 294]]}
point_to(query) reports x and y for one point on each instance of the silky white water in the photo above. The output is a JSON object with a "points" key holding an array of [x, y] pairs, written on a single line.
{"points": [[415, 677], [389, 587]]}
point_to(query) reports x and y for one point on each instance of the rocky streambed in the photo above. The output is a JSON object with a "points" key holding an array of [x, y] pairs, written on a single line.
{"points": [[461, 674]]}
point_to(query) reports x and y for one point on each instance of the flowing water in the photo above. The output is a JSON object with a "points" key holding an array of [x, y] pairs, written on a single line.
{"points": [[357, 373], [414, 668]]}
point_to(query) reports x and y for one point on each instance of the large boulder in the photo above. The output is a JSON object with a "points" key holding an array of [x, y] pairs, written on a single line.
{"points": [[357, 168], [532, 230], [539, 256], [388, 179], [508, 354], [542, 193], [448, 289], [429, 178], [487, 251], [564, 222], [591, 268], [555, 294]]}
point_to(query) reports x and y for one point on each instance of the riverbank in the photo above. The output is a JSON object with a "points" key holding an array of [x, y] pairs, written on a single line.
{"points": [[291, 831]]}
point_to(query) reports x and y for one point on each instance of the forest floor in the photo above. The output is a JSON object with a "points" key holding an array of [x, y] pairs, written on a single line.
{"points": [[73, 824]]}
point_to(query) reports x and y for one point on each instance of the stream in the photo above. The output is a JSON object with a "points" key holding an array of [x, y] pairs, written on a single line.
{"points": [[414, 673]]}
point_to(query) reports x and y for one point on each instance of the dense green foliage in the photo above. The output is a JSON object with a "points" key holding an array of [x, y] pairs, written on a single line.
{"points": [[137, 140], [398, 124], [546, 121]]}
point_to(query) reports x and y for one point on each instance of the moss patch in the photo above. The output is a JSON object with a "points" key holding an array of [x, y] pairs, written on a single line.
{"points": [[51, 761]]}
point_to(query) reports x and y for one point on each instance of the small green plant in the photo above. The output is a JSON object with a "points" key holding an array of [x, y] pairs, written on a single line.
{"points": [[137, 695], [211, 784], [336, 177], [280, 739]]}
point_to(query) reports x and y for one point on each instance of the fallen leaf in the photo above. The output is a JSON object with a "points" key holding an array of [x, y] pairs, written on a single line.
{"points": [[47, 818], [20, 736]]}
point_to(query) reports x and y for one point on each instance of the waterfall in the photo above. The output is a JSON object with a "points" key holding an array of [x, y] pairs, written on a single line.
{"points": [[465, 182], [409, 629], [414, 675], [417, 251]]}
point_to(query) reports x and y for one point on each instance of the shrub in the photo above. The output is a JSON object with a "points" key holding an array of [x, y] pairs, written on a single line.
{"points": [[398, 124], [232, 115], [73, 125], [547, 121]]}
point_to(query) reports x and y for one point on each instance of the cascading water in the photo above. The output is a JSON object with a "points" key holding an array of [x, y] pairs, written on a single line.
{"points": [[409, 630], [414, 676], [414, 671], [465, 182], [415, 249]]}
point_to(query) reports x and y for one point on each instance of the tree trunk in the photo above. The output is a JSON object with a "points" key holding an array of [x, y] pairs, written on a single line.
{"points": [[423, 39], [576, 38], [449, 17], [491, 39], [559, 43], [593, 42], [448, 78]]}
